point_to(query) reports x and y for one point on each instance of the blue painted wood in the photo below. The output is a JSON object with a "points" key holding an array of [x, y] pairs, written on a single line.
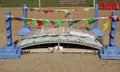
{"points": [[25, 14], [113, 30], [8, 29], [9, 50], [111, 51], [96, 30], [25, 28]]}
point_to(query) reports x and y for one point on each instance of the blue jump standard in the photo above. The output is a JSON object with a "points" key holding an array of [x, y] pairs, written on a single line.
{"points": [[9, 50], [96, 30], [25, 28], [111, 51]]}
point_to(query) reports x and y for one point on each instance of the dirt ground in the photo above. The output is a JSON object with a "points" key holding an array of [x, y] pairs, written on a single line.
{"points": [[57, 62]]}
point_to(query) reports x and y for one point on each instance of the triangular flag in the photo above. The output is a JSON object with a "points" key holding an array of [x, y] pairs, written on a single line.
{"points": [[45, 21], [18, 18], [118, 19], [67, 14], [15, 18], [63, 10], [29, 21], [39, 22], [86, 9], [31, 9], [45, 11], [91, 20], [53, 24], [36, 8], [58, 23], [39, 9], [106, 24], [76, 21], [50, 11], [34, 22], [70, 22]]}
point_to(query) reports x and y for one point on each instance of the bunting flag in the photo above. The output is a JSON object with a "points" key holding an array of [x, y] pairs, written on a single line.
{"points": [[76, 21], [86, 9], [91, 20], [29, 21], [34, 22], [47, 11], [53, 24], [45, 21], [39, 22], [18, 18], [63, 10], [58, 23], [106, 24], [67, 14], [118, 20], [71, 22], [31, 9]]}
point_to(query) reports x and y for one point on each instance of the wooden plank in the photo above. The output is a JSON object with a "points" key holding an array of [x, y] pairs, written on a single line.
{"points": [[63, 51]]}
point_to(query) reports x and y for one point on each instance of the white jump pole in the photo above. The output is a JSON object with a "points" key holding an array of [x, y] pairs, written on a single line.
{"points": [[93, 3], [39, 3]]}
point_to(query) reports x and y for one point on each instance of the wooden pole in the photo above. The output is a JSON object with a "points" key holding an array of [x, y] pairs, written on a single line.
{"points": [[39, 3], [93, 3]]}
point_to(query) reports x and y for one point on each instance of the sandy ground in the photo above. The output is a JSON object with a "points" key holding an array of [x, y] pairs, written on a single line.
{"points": [[57, 62]]}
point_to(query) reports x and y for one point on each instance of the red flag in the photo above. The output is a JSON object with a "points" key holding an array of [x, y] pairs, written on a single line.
{"points": [[31, 9], [39, 22], [47, 11], [53, 24], [118, 20], [110, 17], [39, 9]]}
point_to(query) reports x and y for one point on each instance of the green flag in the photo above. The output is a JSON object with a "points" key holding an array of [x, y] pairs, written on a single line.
{"points": [[45, 21], [91, 20], [58, 23], [34, 22]]}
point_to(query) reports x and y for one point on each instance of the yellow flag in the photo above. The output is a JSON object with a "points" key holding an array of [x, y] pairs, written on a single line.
{"points": [[86, 9], [29, 21], [106, 25], [64, 10]]}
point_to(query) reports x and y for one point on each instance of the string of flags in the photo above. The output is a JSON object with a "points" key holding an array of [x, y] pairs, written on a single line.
{"points": [[66, 11], [57, 22]]}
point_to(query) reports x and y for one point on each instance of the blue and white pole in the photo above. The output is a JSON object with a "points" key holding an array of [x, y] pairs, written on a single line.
{"points": [[111, 51], [9, 50], [25, 28], [96, 30]]}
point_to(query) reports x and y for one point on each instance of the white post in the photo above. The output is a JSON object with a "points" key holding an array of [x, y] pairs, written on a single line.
{"points": [[39, 3], [58, 44], [93, 3]]}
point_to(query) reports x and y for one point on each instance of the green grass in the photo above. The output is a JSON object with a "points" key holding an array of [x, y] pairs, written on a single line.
{"points": [[46, 3]]}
